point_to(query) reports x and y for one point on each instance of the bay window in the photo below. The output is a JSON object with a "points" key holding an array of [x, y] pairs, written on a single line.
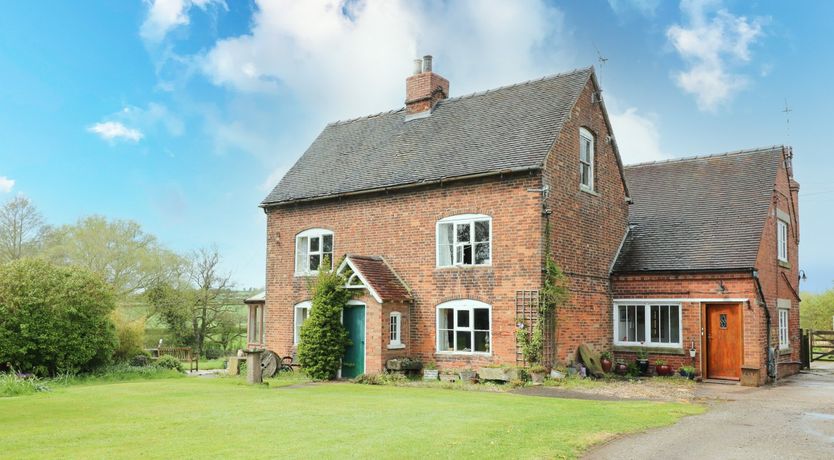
{"points": [[648, 324], [464, 326], [464, 240]]}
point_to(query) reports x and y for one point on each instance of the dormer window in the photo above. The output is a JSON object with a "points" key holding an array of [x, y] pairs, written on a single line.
{"points": [[312, 248], [586, 159], [464, 240]]}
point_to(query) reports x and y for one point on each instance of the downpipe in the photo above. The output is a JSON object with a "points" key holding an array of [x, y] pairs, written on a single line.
{"points": [[771, 353]]}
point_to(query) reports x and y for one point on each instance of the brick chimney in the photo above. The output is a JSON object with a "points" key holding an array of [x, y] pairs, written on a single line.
{"points": [[424, 88]]}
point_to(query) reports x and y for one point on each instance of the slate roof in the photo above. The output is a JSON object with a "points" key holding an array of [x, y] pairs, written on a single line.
{"points": [[699, 214], [381, 277], [505, 129], [257, 298]]}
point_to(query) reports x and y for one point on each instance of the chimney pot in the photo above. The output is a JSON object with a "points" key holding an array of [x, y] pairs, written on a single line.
{"points": [[418, 66], [427, 63]]}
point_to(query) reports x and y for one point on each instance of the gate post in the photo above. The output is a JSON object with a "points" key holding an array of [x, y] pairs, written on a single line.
{"points": [[804, 348]]}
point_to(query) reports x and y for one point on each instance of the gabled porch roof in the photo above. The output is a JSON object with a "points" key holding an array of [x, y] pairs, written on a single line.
{"points": [[374, 274]]}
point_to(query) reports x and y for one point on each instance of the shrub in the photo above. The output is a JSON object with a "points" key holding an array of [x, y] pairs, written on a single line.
{"points": [[141, 360], [213, 353], [323, 337], [169, 362], [131, 334], [54, 319]]}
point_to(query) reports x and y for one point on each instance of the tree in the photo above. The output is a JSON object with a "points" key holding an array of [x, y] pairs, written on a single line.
{"points": [[54, 319], [324, 338], [199, 306], [817, 311], [127, 257], [21, 229]]}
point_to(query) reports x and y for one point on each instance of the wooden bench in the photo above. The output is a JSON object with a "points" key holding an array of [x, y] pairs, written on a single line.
{"points": [[183, 354]]}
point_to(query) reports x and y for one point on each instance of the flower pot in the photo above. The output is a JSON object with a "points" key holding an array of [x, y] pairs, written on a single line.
{"points": [[663, 370], [621, 369], [691, 376], [682, 372], [538, 377], [606, 365], [643, 364]]}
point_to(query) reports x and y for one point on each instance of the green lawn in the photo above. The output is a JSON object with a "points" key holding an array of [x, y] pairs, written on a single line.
{"points": [[214, 418]]}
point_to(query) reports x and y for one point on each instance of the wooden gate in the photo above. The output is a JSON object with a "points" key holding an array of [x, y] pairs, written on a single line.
{"points": [[821, 345]]}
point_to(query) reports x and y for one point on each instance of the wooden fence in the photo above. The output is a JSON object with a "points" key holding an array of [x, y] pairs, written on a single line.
{"points": [[821, 345]]}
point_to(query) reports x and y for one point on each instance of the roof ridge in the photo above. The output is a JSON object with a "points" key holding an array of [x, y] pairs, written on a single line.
{"points": [[464, 96], [701, 157], [521, 83]]}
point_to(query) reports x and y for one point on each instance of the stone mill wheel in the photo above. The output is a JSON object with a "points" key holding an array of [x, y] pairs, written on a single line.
{"points": [[269, 364]]}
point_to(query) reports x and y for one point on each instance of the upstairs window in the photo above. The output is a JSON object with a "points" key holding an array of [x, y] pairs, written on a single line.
{"points": [[312, 247], [782, 238], [586, 159], [464, 240]]}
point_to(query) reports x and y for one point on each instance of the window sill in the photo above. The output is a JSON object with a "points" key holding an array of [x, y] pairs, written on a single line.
{"points": [[464, 353], [463, 267], [785, 264], [672, 350], [588, 190], [784, 351], [396, 346]]}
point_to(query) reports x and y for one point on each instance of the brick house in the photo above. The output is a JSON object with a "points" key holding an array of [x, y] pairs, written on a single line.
{"points": [[438, 212]]}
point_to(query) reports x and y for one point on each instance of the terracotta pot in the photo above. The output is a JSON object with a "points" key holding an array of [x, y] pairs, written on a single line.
{"points": [[664, 370], [606, 365]]}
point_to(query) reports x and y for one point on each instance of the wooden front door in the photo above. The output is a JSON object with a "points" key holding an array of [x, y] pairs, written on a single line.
{"points": [[724, 341]]}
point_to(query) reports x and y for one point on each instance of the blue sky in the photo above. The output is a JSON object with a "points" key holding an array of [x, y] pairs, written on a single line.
{"points": [[181, 114]]}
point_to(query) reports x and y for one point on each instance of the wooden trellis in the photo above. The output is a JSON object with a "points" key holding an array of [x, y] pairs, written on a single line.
{"points": [[527, 314]]}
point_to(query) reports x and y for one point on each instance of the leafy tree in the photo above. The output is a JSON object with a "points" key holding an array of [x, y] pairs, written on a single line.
{"points": [[54, 319], [127, 257], [198, 306], [817, 311], [324, 338], [21, 229]]}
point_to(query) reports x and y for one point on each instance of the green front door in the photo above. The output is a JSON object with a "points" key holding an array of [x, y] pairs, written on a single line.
{"points": [[353, 363]]}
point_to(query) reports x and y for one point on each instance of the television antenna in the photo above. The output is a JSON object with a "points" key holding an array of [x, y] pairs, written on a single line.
{"points": [[787, 111]]}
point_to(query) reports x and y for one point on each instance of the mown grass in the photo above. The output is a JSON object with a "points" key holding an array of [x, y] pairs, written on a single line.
{"points": [[213, 418], [14, 385]]}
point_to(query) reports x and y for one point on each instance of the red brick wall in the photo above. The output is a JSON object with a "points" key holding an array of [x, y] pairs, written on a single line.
{"points": [[586, 229], [771, 271], [401, 227]]}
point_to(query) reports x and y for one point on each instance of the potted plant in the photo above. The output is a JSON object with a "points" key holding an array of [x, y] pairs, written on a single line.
{"points": [[430, 371], [688, 371], [621, 368], [643, 361], [662, 368], [605, 361], [538, 373]]}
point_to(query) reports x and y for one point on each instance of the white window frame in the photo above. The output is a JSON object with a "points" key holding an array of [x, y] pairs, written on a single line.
{"points": [[296, 326], [463, 305], [456, 221], [310, 234], [395, 330], [647, 304], [585, 135], [782, 240], [784, 329]]}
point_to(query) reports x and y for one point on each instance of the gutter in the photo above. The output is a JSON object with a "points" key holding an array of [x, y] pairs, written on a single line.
{"points": [[404, 186], [770, 374]]}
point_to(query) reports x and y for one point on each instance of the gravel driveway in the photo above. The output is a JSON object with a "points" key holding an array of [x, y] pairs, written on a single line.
{"points": [[794, 419]]}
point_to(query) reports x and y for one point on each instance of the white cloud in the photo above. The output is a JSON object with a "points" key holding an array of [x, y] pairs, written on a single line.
{"points": [[644, 7], [273, 178], [713, 44], [349, 58], [166, 15], [637, 136], [114, 130], [6, 184]]}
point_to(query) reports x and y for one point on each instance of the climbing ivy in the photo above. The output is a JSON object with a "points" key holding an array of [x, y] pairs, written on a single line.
{"points": [[323, 338], [553, 293]]}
